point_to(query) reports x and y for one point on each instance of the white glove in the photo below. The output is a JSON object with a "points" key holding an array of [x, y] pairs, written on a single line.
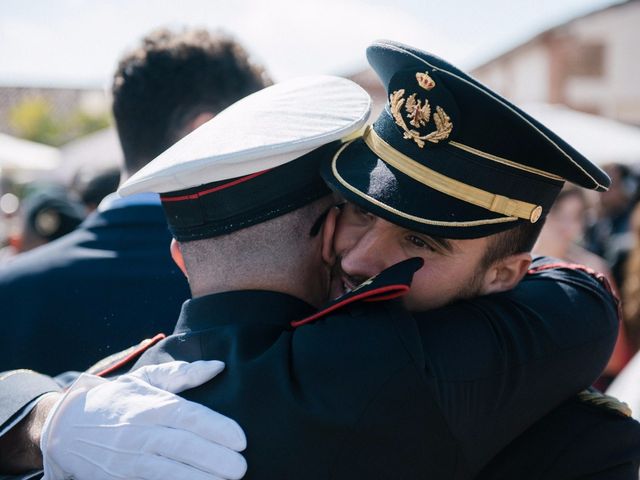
{"points": [[136, 427]]}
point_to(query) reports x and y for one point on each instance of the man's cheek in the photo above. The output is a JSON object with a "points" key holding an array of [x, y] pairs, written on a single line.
{"points": [[345, 239]]}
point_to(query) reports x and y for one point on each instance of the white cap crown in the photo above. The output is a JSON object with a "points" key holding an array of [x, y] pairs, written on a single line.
{"points": [[264, 130]]}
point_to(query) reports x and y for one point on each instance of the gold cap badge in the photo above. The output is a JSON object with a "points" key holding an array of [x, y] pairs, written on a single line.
{"points": [[419, 114], [425, 81]]}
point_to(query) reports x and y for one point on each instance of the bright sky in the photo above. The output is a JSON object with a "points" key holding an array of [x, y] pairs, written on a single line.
{"points": [[78, 42]]}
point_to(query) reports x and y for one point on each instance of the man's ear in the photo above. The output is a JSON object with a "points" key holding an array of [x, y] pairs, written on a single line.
{"points": [[176, 254], [506, 273], [328, 231]]}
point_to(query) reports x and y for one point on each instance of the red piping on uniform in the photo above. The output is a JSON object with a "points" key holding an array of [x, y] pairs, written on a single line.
{"points": [[197, 195], [396, 291], [390, 296], [137, 352], [570, 266]]}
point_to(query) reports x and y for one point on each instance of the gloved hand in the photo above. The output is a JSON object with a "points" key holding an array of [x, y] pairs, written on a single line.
{"points": [[136, 427]]}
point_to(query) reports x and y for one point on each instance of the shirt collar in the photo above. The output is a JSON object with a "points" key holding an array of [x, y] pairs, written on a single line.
{"points": [[241, 307]]}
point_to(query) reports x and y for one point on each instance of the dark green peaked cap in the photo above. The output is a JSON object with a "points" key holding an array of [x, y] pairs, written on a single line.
{"points": [[449, 157]]}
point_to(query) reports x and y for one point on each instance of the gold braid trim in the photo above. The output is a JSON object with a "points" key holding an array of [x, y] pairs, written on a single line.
{"points": [[504, 161], [449, 186], [395, 211]]}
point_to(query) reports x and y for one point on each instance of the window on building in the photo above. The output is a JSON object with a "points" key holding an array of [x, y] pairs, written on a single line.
{"points": [[586, 60]]}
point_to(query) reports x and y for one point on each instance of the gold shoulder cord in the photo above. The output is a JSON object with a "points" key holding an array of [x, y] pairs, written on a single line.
{"points": [[449, 186], [598, 399]]}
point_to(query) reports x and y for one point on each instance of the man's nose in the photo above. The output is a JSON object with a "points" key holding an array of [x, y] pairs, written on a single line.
{"points": [[366, 257]]}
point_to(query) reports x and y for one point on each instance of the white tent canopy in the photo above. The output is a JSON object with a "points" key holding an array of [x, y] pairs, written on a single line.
{"points": [[94, 152], [21, 155], [600, 139]]}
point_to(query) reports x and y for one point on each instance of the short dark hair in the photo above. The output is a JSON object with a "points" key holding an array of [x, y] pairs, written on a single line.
{"points": [[519, 239], [169, 80]]}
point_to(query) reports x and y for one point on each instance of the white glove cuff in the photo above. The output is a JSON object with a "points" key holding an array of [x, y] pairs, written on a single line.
{"points": [[52, 471]]}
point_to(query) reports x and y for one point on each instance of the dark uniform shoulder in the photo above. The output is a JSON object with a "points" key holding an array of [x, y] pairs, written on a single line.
{"points": [[559, 269], [589, 436], [584, 278]]}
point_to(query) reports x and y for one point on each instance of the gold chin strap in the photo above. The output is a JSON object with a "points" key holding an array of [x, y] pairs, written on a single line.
{"points": [[454, 188]]}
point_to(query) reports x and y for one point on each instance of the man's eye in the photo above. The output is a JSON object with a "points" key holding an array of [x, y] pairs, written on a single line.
{"points": [[419, 242], [362, 211]]}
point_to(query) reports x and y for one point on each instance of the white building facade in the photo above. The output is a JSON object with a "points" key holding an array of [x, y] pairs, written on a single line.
{"points": [[590, 64]]}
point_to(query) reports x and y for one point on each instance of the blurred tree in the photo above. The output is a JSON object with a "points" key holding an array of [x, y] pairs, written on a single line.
{"points": [[81, 123], [35, 120]]}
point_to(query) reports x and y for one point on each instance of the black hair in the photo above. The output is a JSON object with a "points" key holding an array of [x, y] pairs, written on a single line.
{"points": [[169, 80]]}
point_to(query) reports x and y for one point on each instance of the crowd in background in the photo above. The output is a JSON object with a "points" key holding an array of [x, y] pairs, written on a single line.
{"points": [[602, 232], [51, 210]]}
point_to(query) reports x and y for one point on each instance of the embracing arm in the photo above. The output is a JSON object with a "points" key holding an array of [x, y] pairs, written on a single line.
{"points": [[23, 408], [72, 434], [500, 362], [20, 446]]}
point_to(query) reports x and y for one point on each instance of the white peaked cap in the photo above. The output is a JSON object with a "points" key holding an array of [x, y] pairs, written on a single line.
{"points": [[264, 130]]}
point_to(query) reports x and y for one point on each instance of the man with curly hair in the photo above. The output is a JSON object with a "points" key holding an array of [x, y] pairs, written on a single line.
{"points": [[111, 282]]}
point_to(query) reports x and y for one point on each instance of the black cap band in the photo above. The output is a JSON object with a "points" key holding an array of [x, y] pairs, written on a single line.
{"points": [[223, 207]]}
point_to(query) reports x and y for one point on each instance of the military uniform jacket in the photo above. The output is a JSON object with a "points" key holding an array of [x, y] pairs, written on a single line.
{"points": [[579, 440], [316, 402], [91, 293], [370, 391]]}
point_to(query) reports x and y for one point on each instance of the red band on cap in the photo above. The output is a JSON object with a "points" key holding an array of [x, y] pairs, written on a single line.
{"points": [[194, 196]]}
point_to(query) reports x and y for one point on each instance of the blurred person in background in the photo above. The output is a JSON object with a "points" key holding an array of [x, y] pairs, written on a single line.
{"points": [[565, 229], [560, 238], [92, 186], [112, 282], [631, 286], [610, 236], [46, 215], [627, 385]]}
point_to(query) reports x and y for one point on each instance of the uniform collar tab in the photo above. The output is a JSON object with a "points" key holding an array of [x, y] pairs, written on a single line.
{"points": [[391, 283]]}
